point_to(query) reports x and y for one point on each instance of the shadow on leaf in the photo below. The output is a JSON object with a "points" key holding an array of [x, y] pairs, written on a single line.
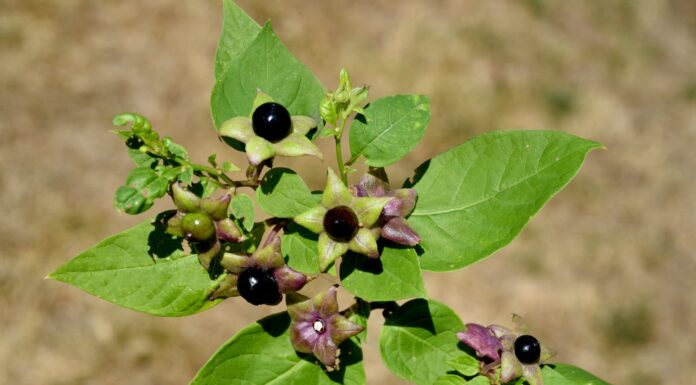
{"points": [[160, 244]]}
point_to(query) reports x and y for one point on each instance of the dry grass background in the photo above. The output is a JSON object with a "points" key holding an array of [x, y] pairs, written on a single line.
{"points": [[605, 274]]}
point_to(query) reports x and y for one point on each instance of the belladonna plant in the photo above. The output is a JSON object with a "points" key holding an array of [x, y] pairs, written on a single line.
{"points": [[260, 233]]}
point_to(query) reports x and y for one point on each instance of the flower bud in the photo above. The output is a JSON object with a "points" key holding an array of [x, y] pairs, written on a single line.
{"points": [[185, 200]]}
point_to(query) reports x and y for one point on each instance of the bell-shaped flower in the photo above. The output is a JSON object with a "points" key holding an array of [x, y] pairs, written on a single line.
{"points": [[270, 130], [203, 222], [392, 221], [260, 278], [482, 340], [344, 222], [317, 327]]}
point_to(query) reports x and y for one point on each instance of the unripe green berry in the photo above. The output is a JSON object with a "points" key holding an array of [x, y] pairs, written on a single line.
{"points": [[197, 227]]}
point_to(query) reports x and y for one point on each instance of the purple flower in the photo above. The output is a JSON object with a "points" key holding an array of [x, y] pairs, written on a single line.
{"points": [[392, 221], [318, 328], [482, 340]]}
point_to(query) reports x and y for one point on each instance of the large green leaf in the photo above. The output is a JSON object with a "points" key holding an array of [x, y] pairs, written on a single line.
{"points": [[268, 66], [284, 194], [418, 340], [299, 246], [395, 275], [238, 31], [143, 269], [390, 128], [564, 374], [262, 354], [475, 198]]}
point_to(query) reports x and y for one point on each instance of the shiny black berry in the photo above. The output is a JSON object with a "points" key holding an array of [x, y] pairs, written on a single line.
{"points": [[341, 223], [134, 142], [197, 227], [527, 349], [258, 287], [271, 121]]}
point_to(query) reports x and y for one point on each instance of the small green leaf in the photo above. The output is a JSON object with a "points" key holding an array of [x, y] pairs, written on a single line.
{"points": [[143, 269], [418, 339], [390, 128], [229, 167], [261, 353], [142, 159], [176, 149], [238, 32], [395, 275], [466, 365], [475, 198], [242, 208], [284, 194], [143, 186], [450, 379], [564, 374], [268, 66], [299, 246]]}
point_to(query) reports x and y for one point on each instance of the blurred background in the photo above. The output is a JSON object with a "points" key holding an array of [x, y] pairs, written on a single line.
{"points": [[605, 274]]}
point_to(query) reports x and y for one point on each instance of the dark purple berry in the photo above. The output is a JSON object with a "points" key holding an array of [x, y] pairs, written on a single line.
{"points": [[197, 227], [259, 287], [527, 349], [271, 121], [341, 223], [134, 142]]}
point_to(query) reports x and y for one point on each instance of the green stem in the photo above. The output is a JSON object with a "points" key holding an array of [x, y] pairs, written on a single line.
{"points": [[339, 153]]}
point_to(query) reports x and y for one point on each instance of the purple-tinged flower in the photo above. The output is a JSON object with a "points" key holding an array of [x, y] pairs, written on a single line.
{"points": [[392, 221], [260, 278], [344, 222], [318, 328], [482, 340]]}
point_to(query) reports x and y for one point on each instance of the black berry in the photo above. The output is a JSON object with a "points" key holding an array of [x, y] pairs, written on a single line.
{"points": [[271, 121], [258, 287], [341, 223], [134, 142], [197, 227], [527, 349]]}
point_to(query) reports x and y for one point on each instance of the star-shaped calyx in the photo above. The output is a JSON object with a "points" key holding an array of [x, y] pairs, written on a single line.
{"points": [[318, 328], [261, 278], [270, 130], [392, 221], [344, 222], [203, 222], [513, 352]]}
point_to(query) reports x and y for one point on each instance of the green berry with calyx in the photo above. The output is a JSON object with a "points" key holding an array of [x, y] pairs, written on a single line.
{"points": [[197, 227]]}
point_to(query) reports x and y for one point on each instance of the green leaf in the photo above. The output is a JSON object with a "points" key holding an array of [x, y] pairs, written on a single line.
{"points": [[450, 379], [394, 276], [242, 208], [142, 159], [360, 317], [284, 194], [479, 380], [268, 66], [238, 31], [261, 353], [475, 198], [564, 374], [143, 269], [229, 167], [176, 149], [390, 128], [299, 246], [466, 365], [418, 339], [143, 186]]}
